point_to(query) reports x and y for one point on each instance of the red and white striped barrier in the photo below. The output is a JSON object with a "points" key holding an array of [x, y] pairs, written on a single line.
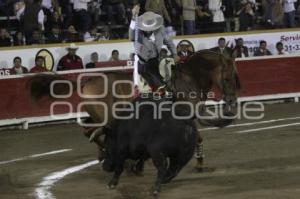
{"points": [[263, 78]]}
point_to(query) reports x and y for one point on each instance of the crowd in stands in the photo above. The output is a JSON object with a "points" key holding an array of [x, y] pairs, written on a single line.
{"points": [[71, 61], [56, 21]]}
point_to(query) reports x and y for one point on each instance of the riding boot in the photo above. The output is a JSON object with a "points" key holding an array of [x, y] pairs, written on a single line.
{"points": [[199, 155], [149, 71]]}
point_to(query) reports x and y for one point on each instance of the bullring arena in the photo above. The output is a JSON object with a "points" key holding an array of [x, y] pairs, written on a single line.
{"points": [[250, 159], [246, 160]]}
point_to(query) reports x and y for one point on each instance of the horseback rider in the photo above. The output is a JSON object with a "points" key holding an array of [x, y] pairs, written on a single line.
{"points": [[148, 33]]}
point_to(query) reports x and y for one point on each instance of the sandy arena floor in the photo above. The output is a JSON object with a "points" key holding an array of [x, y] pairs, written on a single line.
{"points": [[263, 163]]}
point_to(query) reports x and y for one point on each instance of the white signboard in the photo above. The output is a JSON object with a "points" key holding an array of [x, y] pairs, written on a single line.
{"points": [[291, 41]]}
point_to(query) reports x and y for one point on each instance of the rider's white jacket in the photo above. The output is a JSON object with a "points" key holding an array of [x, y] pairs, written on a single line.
{"points": [[148, 48]]}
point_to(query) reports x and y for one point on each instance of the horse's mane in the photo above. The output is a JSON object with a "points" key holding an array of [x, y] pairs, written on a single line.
{"points": [[201, 63], [205, 59], [200, 67]]}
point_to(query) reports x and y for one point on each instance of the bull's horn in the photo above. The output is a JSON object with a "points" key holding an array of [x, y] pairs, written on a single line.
{"points": [[96, 134]]}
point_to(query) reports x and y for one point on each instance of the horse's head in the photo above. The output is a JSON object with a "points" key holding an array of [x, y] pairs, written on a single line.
{"points": [[228, 82], [205, 69]]}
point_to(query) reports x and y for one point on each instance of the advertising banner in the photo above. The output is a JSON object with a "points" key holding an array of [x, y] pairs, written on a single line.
{"points": [[290, 40]]}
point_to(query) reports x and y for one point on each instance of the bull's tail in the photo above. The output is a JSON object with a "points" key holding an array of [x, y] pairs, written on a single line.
{"points": [[40, 86]]}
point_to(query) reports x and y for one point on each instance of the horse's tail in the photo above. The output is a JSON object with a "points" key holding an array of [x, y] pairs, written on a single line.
{"points": [[40, 86]]}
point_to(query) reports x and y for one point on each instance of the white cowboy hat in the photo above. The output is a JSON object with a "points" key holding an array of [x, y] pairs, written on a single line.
{"points": [[72, 46], [149, 21]]}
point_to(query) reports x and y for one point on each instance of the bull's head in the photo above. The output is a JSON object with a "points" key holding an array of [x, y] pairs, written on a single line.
{"points": [[107, 150], [105, 140]]}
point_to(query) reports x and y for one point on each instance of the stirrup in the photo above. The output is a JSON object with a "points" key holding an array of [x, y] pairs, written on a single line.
{"points": [[161, 90]]}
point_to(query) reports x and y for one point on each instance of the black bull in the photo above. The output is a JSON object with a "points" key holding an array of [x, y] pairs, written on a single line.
{"points": [[169, 142], [201, 71]]}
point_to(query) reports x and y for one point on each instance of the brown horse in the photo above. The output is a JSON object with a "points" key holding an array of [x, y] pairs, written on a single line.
{"points": [[202, 70]]}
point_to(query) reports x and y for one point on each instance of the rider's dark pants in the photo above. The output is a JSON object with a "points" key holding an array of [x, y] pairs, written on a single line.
{"points": [[150, 72]]}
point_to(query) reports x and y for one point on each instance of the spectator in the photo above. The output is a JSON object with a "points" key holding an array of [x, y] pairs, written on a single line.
{"points": [[215, 6], [19, 9], [184, 51], [82, 18], [189, 16], [222, 48], [240, 50], [158, 7], [67, 12], [18, 68], [56, 20], [289, 13], [268, 9], [174, 8], [72, 35], [33, 19], [39, 65], [49, 6], [114, 56], [277, 14], [262, 50], [237, 7], [246, 17], [228, 13], [5, 39], [94, 60], [117, 7], [95, 11], [142, 5], [19, 39], [280, 49], [70, 61], [163, 54], [3, 11], [273, 10], [93, 35], [205, 22], [37, 38], [55, 35], [105, 35]]}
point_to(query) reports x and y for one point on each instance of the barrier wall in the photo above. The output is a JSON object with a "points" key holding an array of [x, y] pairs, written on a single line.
{"points": [[261, 78]]}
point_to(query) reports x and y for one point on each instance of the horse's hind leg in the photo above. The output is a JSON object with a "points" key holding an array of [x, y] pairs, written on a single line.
{"points": [[199, 155]]}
